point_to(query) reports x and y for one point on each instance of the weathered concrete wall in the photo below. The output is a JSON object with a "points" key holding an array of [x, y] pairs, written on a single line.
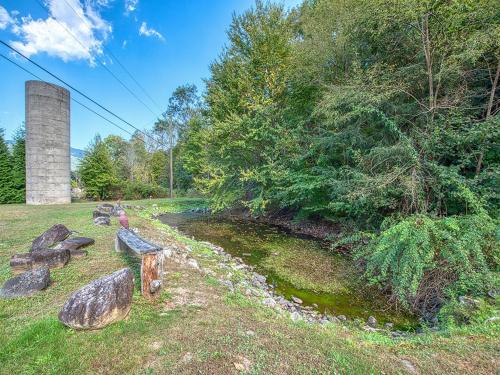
{"points": [[48, 158]]}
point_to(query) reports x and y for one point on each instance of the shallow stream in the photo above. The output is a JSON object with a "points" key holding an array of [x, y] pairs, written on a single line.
{"points": [[295, 265]]}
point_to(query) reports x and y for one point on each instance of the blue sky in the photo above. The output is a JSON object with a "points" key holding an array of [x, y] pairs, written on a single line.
{"points": [[163, 43]]}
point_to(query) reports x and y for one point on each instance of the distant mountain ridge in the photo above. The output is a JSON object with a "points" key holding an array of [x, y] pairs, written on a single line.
{"points": [[76, 155]]}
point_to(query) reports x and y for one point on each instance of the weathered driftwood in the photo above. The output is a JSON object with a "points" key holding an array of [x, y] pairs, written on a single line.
{"points": [[151, 260]]}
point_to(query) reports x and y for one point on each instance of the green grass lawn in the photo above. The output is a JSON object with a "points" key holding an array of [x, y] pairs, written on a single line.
{"points": [[222, 333]]}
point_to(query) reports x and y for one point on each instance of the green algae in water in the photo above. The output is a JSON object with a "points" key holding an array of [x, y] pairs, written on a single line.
{"points": [[294, 265]]}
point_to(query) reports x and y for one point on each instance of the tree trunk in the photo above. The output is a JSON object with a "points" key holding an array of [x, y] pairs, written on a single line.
{"points": [[488, 114], [171, 161], [426, 43], [149, 272]]}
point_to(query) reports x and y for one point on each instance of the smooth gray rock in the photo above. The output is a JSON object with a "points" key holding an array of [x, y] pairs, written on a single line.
{"points": [[269, 302], [50, 237], [372, 322], [52, 258], [26, 284], [101, 220], [75, 243], [102, 302], [98, 213], [297, 300], [342, 318], [21, 262]]}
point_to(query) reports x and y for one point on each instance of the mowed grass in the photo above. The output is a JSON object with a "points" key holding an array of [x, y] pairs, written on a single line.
{"points": [[228, 329]]}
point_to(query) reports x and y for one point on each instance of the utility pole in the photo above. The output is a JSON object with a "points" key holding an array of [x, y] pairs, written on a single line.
{"points": [[171, 179]]}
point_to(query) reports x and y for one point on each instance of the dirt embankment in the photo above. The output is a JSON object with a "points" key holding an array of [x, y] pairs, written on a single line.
{"points": [[320, 229]]}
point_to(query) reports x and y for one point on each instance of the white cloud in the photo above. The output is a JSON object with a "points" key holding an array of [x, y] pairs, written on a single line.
{"points": [[144, 30], [5, 18], [130, 6], [51, 35], [124, 44]]}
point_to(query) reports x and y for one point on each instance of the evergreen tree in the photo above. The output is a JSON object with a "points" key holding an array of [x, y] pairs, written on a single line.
{"points": [[19, 166], [7, 194], [96, 170]]}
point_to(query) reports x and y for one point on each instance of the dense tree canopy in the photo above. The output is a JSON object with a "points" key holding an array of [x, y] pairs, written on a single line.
{"points": [[381, 115]]}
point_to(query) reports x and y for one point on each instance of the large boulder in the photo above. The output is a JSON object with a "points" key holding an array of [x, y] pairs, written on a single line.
{"points": [[97, 213], [52, 258], [103, 301], [101, 220], [75, 243], [21, 262], [26, 284], [105, 207], [50, 237]]}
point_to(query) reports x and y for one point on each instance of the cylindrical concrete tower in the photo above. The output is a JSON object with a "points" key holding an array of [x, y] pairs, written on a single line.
{"points": [[48, 158]]}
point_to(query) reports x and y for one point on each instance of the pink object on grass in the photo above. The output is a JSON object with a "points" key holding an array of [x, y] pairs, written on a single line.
{"points": [[123, 219]]}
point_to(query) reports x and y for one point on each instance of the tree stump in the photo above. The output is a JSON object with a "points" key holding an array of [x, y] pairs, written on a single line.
{"points": [[151, 275]]}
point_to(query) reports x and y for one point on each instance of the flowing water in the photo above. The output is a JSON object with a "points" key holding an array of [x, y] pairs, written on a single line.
{"points": [[294, 265]]}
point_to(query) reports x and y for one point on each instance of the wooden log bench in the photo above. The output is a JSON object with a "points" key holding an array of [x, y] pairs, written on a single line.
{"points": [[151, 260]]}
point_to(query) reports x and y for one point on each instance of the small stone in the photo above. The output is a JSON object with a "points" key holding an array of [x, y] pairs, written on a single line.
{"points": [[244, 364], [78, 253], [492, 319], [102, 221], [295, 316], [269, 302], [389, 325], [155, 286], [26, 284], [250, 333], [372, 322], [228, 284], [297, 300], [409, 366], [493, 293], [187, 357], [50, 237], [334, 319], [193, 263], [342, 318], [101, 302]]}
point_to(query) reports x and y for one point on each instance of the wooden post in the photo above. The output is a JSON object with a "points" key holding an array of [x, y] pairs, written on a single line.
{"points": [[150, 275]]}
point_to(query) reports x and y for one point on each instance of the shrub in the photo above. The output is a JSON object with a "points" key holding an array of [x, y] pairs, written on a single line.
{"points": [[140, 190], [425, 261]]}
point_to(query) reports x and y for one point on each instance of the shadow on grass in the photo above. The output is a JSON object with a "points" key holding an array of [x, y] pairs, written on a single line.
{"points": [[134, 263]]}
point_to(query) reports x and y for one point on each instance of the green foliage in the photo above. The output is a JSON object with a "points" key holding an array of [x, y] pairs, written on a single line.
{"points": [[96, 170], [140, 190], [7, 192], [19, 167], [453, 256]]}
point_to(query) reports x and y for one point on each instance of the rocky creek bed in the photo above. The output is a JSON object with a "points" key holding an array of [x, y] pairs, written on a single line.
{"points": [[262, 253]]}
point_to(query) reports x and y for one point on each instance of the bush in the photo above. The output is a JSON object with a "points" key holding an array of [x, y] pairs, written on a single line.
{"points": [[427, 261], [140, 190]]}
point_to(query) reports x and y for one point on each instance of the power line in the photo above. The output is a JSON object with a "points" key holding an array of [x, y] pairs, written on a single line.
{"points": [[119, 63], [100, 61], [73, 99], [78, 91]]}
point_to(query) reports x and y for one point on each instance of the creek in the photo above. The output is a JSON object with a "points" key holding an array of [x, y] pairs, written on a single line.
{"points": [[295, 265]]}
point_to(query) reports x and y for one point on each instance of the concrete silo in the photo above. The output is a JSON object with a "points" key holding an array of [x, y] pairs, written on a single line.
{"points": [[48, 158]]}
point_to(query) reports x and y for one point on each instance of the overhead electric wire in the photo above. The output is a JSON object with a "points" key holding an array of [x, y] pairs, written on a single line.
{"points": [[79, 92], [100, 61], [73, 99], [118, 61]]}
